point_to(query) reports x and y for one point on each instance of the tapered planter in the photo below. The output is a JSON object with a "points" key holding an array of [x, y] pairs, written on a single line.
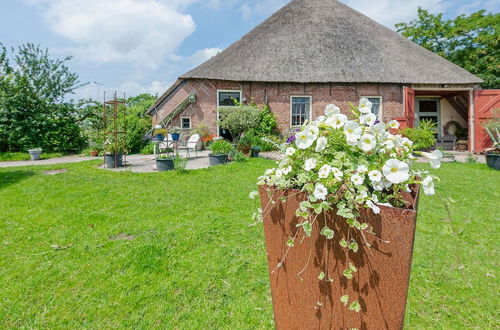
{"points": [[214, 160], [493, 161], [113, 160], [383, 271], [163, 165]]}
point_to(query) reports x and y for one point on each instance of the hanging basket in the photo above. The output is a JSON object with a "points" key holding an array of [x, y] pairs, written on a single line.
{"points": [[302, 301]]}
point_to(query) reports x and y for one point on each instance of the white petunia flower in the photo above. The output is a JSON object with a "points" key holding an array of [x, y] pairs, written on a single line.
{"points": [[365, 106], [310, 164], [357, 179], [352, 140], [304, 139], [324, 171], [337, 120], [331, 109], [270, 171], [253, 194], [361, 169], [279, 173], [368, 119], [313, 129], [375, 176], [388, 144], [434, 158], [321, 118], [320, 191], [393, 124], [321, 143], [428, 185], [367, 142], [379, 128], [374, 207], [396, 171], [352, 128], [337, 173], [378, 186], [290, 151], [287, 170]]}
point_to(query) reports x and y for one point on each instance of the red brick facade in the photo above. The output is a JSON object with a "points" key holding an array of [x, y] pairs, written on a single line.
{"points": [[278, 97]]}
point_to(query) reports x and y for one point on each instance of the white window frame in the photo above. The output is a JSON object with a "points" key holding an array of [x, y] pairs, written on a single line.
{"points": [[310, 107], [186, 117], [380, 111], [225, 106]]}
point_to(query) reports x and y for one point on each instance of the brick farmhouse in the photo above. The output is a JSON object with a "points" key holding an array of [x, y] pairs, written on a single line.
{"points": [[312, 53]]}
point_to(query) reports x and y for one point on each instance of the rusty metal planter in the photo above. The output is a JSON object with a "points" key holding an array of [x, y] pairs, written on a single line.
{"points": [[380, 284]]}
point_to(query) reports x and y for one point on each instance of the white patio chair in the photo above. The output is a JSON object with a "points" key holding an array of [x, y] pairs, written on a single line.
{"points": [[192, 144], [166, 144]]}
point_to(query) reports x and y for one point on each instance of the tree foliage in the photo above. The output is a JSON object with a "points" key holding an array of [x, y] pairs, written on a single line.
{"points": [[472, 42], [239, 119], [33, 110]]}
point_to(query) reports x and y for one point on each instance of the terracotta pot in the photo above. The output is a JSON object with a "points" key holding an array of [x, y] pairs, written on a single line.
{"points": [[383, 271], [94, 153]]}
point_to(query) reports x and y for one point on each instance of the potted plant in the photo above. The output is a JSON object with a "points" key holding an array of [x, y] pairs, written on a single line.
{"points": [[113, 156], [35, 153], [244, 145], [493, 153], [175, 132], [220, 151], [339, 214], [254, 152], [95, 145], [165, 163]]}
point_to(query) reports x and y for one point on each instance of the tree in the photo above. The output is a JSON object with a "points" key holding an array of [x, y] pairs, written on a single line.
{"points": [[239, 119], [472, 42], [33, 110], [138, 123]]}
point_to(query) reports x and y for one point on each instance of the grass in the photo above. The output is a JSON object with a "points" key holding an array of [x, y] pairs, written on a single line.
{"points": [[98, 249], [15, 156]]}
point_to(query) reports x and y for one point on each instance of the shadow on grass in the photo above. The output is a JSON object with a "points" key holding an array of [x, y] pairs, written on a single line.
{"points": [[13, 177]]}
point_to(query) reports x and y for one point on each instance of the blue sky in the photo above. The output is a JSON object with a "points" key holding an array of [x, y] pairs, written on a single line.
{"points": [[144, 45]]}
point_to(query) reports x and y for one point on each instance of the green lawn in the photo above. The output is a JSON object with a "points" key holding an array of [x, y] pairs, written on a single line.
{"points": [[14, 156], [188, 258]]}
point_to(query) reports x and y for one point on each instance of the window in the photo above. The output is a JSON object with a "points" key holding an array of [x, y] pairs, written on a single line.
{"points": [[300, 110], [186, 122], [376, 105], [227, 98]]}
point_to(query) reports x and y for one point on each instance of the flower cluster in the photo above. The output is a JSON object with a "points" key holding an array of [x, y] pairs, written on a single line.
{"points": [[350, 163]]}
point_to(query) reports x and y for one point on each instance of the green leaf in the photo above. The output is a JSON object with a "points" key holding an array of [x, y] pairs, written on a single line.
{"points": [[307, 226], [347, 273], [363, 226], [353, 246], [352, 267], [290, 242], [355, 306], [302, 214], [321, 276], [344, 299], [327, 232], [343, 243]]}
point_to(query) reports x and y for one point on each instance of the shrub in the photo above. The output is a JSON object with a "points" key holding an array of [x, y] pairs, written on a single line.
{"points": [[148, 149], [422, 138], [267, 122], [221, 147], [239, 119]]}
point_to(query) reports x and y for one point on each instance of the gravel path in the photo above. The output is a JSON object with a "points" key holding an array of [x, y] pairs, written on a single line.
{"points": [[57, 160]]}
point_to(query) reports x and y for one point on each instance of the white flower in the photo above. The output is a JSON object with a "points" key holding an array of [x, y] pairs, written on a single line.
{"points": [[368, 119], [321, 118], [367, 142], [253, 194], [313, 129], [374, 207], [396, 171], [434, 158], [357, 179], [290, 151], [310, 164], [375, 176], [388, 144], [270, 171], [379, 128], [287, 170], [324, 171], [304, 139], [393, 124], [331, 109], [337, 120], [279, 173], [428, 185], [378, 186], [352, 140], [365, 106], [337, 173], [321, 144], [352, 128], [320, 191], [361, 169]]}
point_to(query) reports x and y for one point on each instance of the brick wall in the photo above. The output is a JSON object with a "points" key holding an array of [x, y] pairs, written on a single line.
{"points": [[278, 98]]}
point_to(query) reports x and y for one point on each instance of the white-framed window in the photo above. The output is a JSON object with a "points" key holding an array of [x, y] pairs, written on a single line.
{"points": [[186, 122], [376, 105], [300, 110], [226, 98]]}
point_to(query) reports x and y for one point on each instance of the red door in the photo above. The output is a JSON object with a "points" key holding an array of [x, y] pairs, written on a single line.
{"points": [[485, 103], [409, 115]]}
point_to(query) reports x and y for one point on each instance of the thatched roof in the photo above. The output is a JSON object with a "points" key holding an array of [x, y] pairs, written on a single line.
{"points": [[310, 41]]}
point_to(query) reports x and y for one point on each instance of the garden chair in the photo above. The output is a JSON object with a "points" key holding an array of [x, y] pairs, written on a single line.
{"points": [[447, 142], [192, 144], [166, 144]]}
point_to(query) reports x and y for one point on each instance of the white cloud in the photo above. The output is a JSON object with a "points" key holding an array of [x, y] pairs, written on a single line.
{"points": [[202, 55], [390, 12], [260, 8], [142, 32], [132, 88]]}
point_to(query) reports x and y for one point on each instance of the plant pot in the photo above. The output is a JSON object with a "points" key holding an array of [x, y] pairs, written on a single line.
{"points": [[217, 159], [109, 160], [94, 153], [493, 161], [254, 153], [383, 271], [160, 137], [35, 154], [163, 165], [175, 137]]}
